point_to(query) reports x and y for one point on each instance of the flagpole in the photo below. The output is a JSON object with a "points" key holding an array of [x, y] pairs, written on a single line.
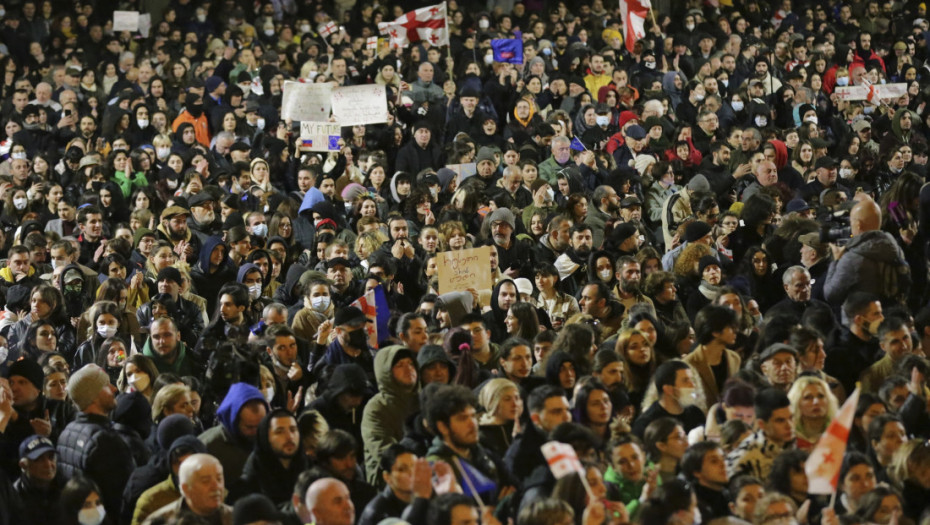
{"points": [[448, 37], [584, 481], [471, 486]]}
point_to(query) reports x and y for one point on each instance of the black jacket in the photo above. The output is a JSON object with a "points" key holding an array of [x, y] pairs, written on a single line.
{"points": [[264, 471], [187, 315], [412, 158], [40, 504], [384, 505], [89, 446]]}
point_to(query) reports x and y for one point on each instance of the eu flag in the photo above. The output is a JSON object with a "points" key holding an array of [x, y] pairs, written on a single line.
{"points": [[577, 145], [508, 50], [476, 479]]}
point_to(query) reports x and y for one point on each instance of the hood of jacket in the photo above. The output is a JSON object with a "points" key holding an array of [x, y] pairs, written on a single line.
{"points": [[311, 198], [384, 361], [875, 245], [228, 413], [347, 377], [203, 260], [430, 354], [245, 269], [291, 280], [781, 153], [458, 304], [554, 363], [268, 456], [903, 136], [495, 305]]}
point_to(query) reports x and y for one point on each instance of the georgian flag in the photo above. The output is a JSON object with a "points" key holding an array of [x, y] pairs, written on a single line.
{"points": [[328, 29], [371, 43], [633, 13], [427, 24], [823, 465], [562, 459]]}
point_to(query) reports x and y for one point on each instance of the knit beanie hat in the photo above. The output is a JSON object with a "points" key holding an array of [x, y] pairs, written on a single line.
{"points": [[30, 370], [85, 385]]}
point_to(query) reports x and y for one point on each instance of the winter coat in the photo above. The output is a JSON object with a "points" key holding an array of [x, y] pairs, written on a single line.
{"points": [[90, 447], [264, 472], [207, 280], [384, 416], [224, 442], [872, 262]]}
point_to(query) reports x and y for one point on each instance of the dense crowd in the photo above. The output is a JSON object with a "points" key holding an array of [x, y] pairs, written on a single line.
{"points": [[700, 244]]}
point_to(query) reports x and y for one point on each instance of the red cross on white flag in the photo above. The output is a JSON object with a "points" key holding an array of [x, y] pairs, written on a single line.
{"points": [[426, 23], [633, 13], [328, 28], [823, 465], [372, 43]]}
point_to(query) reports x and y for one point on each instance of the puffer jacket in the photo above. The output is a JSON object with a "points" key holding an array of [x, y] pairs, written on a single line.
{"points": [[90, 447], [872, 262], [384, 416]]}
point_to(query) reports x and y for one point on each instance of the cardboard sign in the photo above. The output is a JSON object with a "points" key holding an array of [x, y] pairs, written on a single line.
{"points": [[359, 105], [125, 20], [320, 136], [462, 269], [302, 101], [882, 91], [463, 171]]}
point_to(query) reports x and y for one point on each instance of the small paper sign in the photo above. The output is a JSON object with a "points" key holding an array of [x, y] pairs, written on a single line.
{"points": [[125, 20], [320, 136]]}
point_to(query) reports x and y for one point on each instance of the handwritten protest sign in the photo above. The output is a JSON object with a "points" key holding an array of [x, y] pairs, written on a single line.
{"points": [[125, 20], [306, 101], [145, 24], [357, 105], [320, 136], [463, 171], [882, 91], [462, 269]]}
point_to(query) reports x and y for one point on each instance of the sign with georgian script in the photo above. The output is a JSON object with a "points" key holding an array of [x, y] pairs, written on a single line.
{"points": [[308, 101], [463, 269], [359, 105]]}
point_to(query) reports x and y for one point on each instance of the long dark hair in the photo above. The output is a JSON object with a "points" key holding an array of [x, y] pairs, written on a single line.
{"points": [[73, 496]]}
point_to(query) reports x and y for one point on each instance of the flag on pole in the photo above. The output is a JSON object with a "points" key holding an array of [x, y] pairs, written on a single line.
{"points": [[508, 50], [371, 43], [474, 482], [562, 459], [634, 13], [427, 24], [375, 307], [328, 29], [823, 465], [577, 145]]}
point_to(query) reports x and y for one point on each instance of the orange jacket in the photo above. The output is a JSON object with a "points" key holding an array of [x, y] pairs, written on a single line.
{"points": [[201, 127]]}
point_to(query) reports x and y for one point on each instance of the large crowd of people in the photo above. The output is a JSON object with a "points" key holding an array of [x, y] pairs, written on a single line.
{"points": [[700, 244]]}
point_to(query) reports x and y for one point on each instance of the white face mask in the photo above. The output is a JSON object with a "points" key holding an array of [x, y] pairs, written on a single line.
{"points": [[20, 203], [106, 331], [698, 97], [320, 304], [201, 18], [846, 173], [812, 119], [488, 59], [484, 23], [305, 28], [246, 89], [255, 291], [260, 229], [737, 105], [868, 110], [18, 155], [139, 381], [689, 27], [761, 122], [842, 81], [162, 153], [260, 123], [726, 83], [268, 393], [92, 516], [142, 123], [602, 120], [605, 275], [172, 184], [269, 32], [434, 192], [687, 396], [649, 65]]}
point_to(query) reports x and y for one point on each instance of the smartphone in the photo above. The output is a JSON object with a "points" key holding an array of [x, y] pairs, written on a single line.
{"points": [[67, 113]]}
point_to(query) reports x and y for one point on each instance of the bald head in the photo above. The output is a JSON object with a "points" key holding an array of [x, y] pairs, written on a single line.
{"points": [[329, 502], [767, 173], [865, 216]]}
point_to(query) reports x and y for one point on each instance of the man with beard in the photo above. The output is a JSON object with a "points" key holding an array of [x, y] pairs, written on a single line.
{"points": [[202, 220], [452, 418], [336, 456], [856, 348], [276, 462], [173, 228], [573, 264], [629, 277], [514, 259], [555, 242], [202, 492], [90, 222], [597, 302], [238, 418], [606, 208], [168, 281], [631, 211]]}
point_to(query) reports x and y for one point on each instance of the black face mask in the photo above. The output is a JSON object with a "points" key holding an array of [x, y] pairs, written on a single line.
{"points": [[357, 339]]}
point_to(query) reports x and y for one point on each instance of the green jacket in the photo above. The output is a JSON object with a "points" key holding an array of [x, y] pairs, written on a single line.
{"points": [[384, 415], [627, 492], [183, 366], [126, 184]]}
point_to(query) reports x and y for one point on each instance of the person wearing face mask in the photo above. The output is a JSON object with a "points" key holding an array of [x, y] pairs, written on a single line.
{"points": [[194, 115], [105, 323], [252, 277], [350, 344], [678, 397], [857, 346], [317, 309], [694, 93]]}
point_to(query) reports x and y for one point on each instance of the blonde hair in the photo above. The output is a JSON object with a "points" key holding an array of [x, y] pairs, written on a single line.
{"points": [[490, 397], [905, 461], [167, 396], [370, 241], [794, 395]]}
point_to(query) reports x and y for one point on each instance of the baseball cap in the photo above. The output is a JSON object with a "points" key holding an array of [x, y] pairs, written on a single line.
{"points": [[349, 316], [34, 446]]}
